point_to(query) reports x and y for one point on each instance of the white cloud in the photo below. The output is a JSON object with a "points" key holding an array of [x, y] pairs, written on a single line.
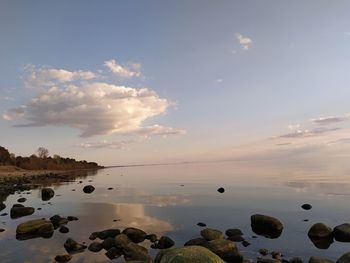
{"points": [[299, 133], [245, 42], [133, 70], [106, 144], [330, 120]]}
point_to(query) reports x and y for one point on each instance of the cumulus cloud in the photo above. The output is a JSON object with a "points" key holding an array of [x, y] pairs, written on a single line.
{"points": [[330, 120], [93, 107], [245, 42], [123, 71]]}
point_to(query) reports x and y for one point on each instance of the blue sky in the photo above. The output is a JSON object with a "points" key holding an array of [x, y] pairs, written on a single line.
{"points": [[224, 79]]}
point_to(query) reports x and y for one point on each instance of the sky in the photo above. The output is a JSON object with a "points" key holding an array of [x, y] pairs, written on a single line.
{"points": [[130, 82]]}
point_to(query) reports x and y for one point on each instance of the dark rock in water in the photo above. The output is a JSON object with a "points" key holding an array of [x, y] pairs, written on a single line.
{"points": [[263, 251], [268, 260], [57, 221], [320, 260], [152, 237], [2, 230], [236, 238], [187, 254], [34, 228], [266, 226], [296, 260], [113, 253], [245, 243], [201, 224], [135, 235], [320, 230], [17, 205], [95, 247], [4, 214], [108, 243], [121, 241], [322, 243], [211, 234], [344, 258], [306, 206], [74, 247], [47, 194], [341, 233], [88, 189], [72, 218], [233, 232], [63, 258], [110, 188], [306, 220], [39, 208], [164, 243], [225, 249], [93, 236], [276, 255], [2, 206], [63, 229], [221, 190], [135, 252], [17, 212], [108, 233], [21, 200], [196, 242]]}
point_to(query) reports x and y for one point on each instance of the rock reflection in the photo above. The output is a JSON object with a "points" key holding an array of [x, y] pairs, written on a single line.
{"points": [[322, 243]]}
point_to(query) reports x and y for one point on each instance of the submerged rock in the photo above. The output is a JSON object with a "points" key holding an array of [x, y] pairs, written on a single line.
{"points": [[20, 211], [190, 254], [95, 247], [47, 194], [200, 224], [320, 230], [212, 234], [267, 226], [135, 235], [63, 258], [74, 247], [320, 260], [34, 228], [164, 243], [306, 206], [344, 258], [342, 233], [88, 189]]}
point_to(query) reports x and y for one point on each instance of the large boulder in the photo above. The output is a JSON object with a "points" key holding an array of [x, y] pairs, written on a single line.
{"points": [[320, 260], [344, 258], [134, 251], [267, 226], [19, 211], [34, 228], [212, 234], [47, 194], [189, 254], [225, 249], [319, 230], [342, 233]]}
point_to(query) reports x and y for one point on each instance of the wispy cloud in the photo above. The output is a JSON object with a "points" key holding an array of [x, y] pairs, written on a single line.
{"points": [[123, 71], [244, 41], [106, 144], [308, 133], [330, 120]]}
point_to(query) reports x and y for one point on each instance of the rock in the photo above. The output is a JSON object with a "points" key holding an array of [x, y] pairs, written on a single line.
{"points": [[108, 233], [320, 260], [47, 194], [268, 260], [113, 253], [236, 238], [72, 218], [276, 255], [63, 258], [344, 258], [221, 190], [110, 188], [225, 249], [35, 228], [4, 214], [17, 205], [211, 234], [196, 242], [263, 251], [267, 226], [201, 224], [88, 189], [245, 243], [95, 247], [306, 206], [133, 251], [190, 254], [135, 235], [2, 206], [93, 236], [152, 237], [164, 243], [342, 233], [108, 243], [17, 211], [322, 243], [2, 230], [233, 232], [21, 200], [63, 229], [296, 260], [121, 241], [57, 221], [74, 247], [320, 230]]}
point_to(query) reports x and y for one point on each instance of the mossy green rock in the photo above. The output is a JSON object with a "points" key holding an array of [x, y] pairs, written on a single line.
{"points": [[40, 226], [189, 254]]}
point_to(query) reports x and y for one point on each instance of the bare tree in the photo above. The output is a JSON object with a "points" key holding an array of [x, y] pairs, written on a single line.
{"points": [[43, 152]]}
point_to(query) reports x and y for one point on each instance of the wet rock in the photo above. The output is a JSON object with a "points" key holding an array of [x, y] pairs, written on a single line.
{"points": [[267, 226], [320, 230], [4, 214], [108, 243], [196, 242], [34, 228], [200, 224], [63, 229], [21, 200], [47, 194], [95, 247], [110, 188], [187, 254], [342, 233], [320, 260], [164, 243], [233, 232], [296, 260], [225, 249], [63, 258], [263, 251], [72, 246], [121, 241], [88, 189], [113, 253], [135, 235], [245, 243], [108, 233], [57, 221], [276, 255], [268, 260], [18, 211], [2, 230], [236, 238], [72, 218], [306, 206], [344, 258], [152, 237], [2, 206], [211, 234], [93, 236], [322, 243], [133, 251], [221, 190]]}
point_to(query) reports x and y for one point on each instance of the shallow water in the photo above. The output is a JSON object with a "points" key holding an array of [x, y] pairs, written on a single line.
{"points": [[171, 199]]}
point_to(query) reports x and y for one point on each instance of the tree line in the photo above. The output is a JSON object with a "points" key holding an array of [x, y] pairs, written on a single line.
{"points": [[43, 161]]}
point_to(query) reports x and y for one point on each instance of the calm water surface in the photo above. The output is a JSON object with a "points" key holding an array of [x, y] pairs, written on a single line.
{"points": [[170, 200]]}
